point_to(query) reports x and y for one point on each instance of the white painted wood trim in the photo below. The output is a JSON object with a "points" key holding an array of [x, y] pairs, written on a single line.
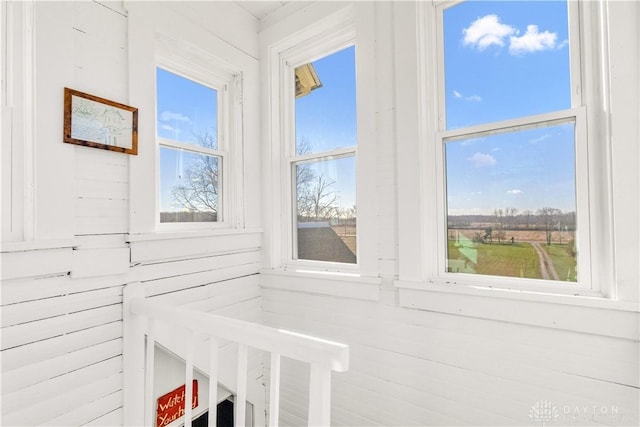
{"points": [[319, 396], [168, 235], [240, 402], [290, 344], [622, 322], [133, 358], [521, 295], [188, 374], [149, 410], [274, 390], [213, 382]]}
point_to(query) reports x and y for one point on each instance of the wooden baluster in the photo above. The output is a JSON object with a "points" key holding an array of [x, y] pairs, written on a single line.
{"points": [[188, 401], [213, 382], [241, 394], [320, 396], [274, 393], [149, 404]]}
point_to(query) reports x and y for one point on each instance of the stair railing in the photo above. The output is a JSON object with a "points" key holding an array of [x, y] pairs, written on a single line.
{"points": [[140, 318]]}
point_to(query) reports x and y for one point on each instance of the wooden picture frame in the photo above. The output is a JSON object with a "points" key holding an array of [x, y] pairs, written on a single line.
{"points": [[99, 123]]}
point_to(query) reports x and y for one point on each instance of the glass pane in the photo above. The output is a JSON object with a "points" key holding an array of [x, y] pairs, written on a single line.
{"points": [[326, 210], [505, 60], [189, 186], [326, 103], [186, 111], [511, 204]]}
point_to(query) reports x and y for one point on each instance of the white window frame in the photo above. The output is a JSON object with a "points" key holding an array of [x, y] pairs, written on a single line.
{"points": [[18, 121], [228, 87], [592, 203], [301, 54]]}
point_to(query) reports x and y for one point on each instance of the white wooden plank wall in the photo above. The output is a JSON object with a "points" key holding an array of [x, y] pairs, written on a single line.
{"points": [[222, 282], [62, 337], [61, 347], [413, 367], [99, 31], [62, 307]]}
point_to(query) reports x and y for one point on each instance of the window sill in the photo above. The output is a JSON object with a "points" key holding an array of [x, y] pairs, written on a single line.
{"points": [[339, 284], [594, 301], [586, 314], [188, 234]]}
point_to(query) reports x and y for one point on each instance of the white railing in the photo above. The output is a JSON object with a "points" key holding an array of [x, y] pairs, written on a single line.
{"points": [[140, 318]]}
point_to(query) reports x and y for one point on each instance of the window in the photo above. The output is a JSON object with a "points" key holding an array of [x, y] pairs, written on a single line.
{"points": [[511, 143], [191, 160], [323, 161]]}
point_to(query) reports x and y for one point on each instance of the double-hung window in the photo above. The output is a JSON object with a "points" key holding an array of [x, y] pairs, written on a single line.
{"points": [[511, 144], [322, 156], [191, 148]]}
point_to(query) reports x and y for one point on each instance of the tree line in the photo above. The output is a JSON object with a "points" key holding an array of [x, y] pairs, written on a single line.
{"points": [[547, 219]]}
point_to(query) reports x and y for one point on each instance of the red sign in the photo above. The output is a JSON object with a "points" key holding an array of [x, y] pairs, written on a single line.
{"points": [[171, 405]]}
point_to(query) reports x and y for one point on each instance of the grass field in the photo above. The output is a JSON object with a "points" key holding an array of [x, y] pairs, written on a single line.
{"points": [[512, 260], [564, 263]]}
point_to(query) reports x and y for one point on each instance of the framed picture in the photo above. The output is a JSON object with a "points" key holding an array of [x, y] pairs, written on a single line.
{"points": [[97, 122]]}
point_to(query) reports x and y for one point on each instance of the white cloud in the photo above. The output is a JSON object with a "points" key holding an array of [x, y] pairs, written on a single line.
{"points": [[167, 116], [481, 160], [170, 128], [514, 191], [472, 98], [486, 31], [532, 41]]}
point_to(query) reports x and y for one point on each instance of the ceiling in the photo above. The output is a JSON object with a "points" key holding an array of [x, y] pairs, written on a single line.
{"points": [[260, 9]]}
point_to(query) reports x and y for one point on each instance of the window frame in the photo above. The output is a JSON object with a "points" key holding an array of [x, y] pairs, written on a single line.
{"points": [[226, 85], [434, 129], [296, 56]]}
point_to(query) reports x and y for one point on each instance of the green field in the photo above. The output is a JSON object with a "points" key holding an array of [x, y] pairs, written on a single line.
{"points": [[564, 262], [512, 260]]}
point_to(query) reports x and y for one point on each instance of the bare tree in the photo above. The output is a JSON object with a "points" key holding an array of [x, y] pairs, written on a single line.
{"points": [[304, 173], [315, 195], [319, 200], [527, 218], [199, 185], [511, 215], [499, 224], [548, 217]]}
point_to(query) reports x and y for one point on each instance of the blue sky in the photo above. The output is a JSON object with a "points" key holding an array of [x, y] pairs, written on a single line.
{"points": [[502, 60], [326, 118], [505, 60], [184, 110]]}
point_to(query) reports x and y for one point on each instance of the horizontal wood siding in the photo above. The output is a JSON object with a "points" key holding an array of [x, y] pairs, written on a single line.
{"points": [[62, 336], [417, 367], [61, 345], [100, 59], [220, 277]]}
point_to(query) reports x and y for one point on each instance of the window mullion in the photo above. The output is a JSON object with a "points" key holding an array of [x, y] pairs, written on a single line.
{"points": [[522, 123], [190, 147], [324, 155]]}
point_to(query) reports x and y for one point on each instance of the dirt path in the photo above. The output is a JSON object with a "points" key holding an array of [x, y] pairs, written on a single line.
{"points": [[546, 265]]}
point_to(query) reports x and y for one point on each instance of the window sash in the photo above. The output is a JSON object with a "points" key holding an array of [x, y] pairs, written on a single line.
{"points": [[210, 79], [290, 60], [584, 283], [573, 13], [577, 113]]}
